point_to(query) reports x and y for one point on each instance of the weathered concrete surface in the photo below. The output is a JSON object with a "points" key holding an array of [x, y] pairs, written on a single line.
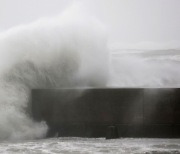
{"points": [[136, 112]]}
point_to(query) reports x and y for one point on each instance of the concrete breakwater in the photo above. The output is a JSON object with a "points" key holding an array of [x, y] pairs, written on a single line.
{"points": [[135, 112]]}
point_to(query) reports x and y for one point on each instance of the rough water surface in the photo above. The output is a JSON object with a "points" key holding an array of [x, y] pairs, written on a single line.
{"points": [[88, 146]]}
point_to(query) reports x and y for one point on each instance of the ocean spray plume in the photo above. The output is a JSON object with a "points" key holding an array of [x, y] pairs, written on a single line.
{"points": [[67, 51]]}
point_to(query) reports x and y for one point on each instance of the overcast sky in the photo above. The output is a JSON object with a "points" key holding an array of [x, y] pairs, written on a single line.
{"points": [[129, 21]]}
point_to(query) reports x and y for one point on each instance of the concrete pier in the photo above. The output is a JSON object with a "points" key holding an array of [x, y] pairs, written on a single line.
{"points": [[135, 112]]}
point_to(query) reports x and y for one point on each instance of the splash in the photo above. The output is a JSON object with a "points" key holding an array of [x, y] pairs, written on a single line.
{"points": [[69, 50]]}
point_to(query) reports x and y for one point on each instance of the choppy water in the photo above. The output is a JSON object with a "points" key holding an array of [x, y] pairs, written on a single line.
{"points": [[88, 146], [146, 68]]}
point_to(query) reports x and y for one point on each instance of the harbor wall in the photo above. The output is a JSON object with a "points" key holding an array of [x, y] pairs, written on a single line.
{"points": [[135, 112]]}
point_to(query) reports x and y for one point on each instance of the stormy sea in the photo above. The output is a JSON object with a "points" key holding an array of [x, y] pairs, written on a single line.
{"points": [[72, 50], [159, 67]]}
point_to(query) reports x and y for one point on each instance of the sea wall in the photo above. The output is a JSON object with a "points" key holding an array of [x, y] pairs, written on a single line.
{"points": [[135, 112]]}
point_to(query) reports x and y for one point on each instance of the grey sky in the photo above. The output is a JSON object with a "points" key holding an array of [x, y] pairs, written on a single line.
{"points": [[129, 21]]}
